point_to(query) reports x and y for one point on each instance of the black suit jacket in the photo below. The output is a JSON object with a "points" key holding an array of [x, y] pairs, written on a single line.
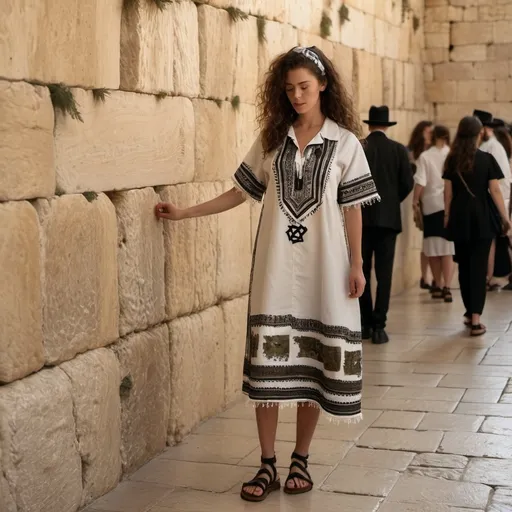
{"points": [[392, 174]]}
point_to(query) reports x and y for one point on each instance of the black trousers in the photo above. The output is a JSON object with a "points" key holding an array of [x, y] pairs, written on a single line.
{"points": [[378, 242], [472, 258]]}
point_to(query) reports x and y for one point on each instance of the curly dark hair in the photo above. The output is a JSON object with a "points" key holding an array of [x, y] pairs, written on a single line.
{"points": [[462, 154], [503, 136], [275, 112], [417, 141]]}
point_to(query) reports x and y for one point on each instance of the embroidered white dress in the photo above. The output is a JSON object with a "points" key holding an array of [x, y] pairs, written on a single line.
{"points": [[304, 333]]}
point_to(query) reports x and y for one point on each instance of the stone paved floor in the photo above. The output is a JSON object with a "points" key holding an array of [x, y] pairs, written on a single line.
{"points": [[436, 434]]}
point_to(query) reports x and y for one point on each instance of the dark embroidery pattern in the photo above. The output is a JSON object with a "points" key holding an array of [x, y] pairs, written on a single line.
{"points": [[352, 364], [299, 204], [306, 325], [277, 347], [248, 182], [356, 190], [296, 233], [255, 338], [315, 349]]}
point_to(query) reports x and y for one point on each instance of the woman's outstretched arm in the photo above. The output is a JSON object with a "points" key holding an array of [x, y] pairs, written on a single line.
{"points": [[227, 201], [354, 226]]}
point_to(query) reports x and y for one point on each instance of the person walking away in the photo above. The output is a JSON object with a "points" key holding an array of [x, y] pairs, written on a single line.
{"points": [[472, 195], [429, 189], [420, 141], [303, 343], [490, 144], [391, 171]]}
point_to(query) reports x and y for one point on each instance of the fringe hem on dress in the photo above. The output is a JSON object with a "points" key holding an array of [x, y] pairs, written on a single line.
{"points": [[365, 202], [293, 404]]}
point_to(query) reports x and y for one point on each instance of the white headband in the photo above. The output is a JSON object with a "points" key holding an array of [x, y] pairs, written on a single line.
{"points": [[312, 56]]}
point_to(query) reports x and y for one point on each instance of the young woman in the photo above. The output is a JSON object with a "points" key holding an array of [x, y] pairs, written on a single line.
{"points": [[429, 188], [470, 176], [420, 141], [303, 342]]}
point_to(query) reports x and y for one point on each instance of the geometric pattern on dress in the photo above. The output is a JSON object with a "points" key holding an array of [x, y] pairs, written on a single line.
{"points": [[277, 347], [352, 363], [296, 233], [313, 348], [247, 180], [356, 190], [299, 204]]}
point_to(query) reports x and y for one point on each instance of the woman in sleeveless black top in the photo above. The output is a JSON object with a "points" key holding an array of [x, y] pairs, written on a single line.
{"points": [[471, 191]]}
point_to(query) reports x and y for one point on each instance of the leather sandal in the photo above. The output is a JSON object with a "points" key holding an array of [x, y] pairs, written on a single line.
{"points": [[478, 329], [301, 463], [437, 293], [267, 485], [447, 295]]}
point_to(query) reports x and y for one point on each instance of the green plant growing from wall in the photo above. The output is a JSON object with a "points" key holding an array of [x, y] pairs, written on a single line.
{"points": [[262, 24], [126, 386], [100, 94], [161, 95], [90, 196], [236, 14], [343, 14], [63, 100], [235, 102], [325, 25]]}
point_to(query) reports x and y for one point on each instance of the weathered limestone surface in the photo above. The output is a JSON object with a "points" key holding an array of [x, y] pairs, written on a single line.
{"points": [[197, 349], [40, 458], [130, 141], [246, 133], [26, 141], [145, 395], [21, 336], [140, 257], [370, 86], [95, 383], [147, 43], [79, 262], [235, 329], [42, 39], [344, 61], [245, 78]]}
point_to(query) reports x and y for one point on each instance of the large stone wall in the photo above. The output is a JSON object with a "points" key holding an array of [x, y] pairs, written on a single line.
{"points": [[120, 333], [469, 51]]}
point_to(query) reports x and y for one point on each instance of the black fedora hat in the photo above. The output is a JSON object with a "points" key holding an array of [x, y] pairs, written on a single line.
{"points": [[486, 118], [499, 123], [379, 116]]}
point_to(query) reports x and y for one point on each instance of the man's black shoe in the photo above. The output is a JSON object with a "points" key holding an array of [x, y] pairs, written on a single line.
{"points": [[380, 336], [366, 333]]}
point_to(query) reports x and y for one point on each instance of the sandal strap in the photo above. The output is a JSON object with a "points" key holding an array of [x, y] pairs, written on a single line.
{"points": [[257, 482], [269, 462], [265, 471], [272, 463], [302, 458], [300, 476]]}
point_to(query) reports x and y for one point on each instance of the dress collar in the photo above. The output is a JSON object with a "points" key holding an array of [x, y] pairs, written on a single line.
{"points": [[329, 130]]}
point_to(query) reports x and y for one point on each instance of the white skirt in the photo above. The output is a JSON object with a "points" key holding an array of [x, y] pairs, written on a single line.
{"points": [[437, 246]]}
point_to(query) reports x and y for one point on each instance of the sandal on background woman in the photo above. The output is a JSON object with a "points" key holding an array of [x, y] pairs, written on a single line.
{"points": [[478, 329]]}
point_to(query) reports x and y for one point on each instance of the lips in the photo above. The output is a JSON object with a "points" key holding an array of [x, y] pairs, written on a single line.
{"points": [[298, 105]]}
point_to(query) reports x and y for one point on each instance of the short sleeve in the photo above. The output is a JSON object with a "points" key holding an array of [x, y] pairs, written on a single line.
{"points": [[420, 177], [356, 186], [494, 172], [250, 177]]}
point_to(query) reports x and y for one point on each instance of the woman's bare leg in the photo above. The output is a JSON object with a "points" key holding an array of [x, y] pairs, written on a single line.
{"points": [[435, 266], [447, 266], [490, 263], [424, 267]]}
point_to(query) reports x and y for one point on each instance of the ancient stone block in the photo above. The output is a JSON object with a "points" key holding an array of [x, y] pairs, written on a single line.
{"points": [[445, 13], [476, 90], [79, 261], [399, 84], [26, 142], [216, 156], [499, 51], [235, 329], [471, 33], [145, 395], [469, 53], [302, 18], [344, 62], [388, 82], [131, 141], [95, 381], [409, 86], [191, 252], [36, 42], [40, 459], [470, 14], [147, 42], [437, 39], [246, 132], [245, 78], [502, 32], [140, 258], [21, 335], [325, 45], [436, 55], [441, 91], [453, 71], [217, 52], [186, 48], [234, 251], [490, 70], [428, 72], [352, 34], [504, 90], [405, 43], [370, 87], [197, 351]]}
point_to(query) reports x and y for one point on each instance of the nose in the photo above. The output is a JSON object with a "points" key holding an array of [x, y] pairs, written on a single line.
{"points": [[298, 93]]}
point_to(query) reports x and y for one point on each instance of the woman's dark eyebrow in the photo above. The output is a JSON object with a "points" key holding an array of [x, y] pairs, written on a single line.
{"points": [[300, 83]]}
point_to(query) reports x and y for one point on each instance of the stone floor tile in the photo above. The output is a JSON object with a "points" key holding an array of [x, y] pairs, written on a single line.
{"points": [[323, 452], [442, 473], [463, 369], [424, 393], [451, 422], [410, 405], [501, 500], [407, 440], [405, 379], [473, 382], [221, 450], [506, 398], [439, 460], [498, 360], [399, 419], [228, 427], [500, 426], [382, 459], [344, 431], [131, 496], [359, 480], [503, 410], [423, 507], [203, 477], [483, 396], [374, 391], [495, 472], [422, 489], [471, 356], [387, 367], [477, 445]]}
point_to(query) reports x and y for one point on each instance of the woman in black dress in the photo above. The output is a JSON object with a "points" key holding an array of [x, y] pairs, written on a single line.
{"points": [[474, 214]]}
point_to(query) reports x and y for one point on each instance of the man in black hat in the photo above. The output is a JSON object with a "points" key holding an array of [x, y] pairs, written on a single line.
{"points": [[392, 173]]}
